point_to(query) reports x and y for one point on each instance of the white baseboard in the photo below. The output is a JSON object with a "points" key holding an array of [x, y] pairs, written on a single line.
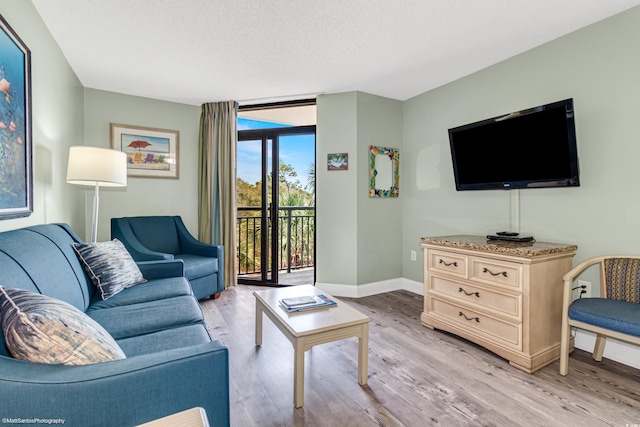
{"points": [[622, 352], [367, 289]]}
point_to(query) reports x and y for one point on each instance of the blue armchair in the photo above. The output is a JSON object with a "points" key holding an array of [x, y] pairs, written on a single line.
{"points": [[150, 238]]}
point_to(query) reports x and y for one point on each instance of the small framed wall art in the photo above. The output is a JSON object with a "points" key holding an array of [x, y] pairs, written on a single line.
{"points": [[151, 152], [338, 162]]}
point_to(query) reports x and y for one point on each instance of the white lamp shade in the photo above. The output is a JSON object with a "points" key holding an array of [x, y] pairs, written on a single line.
{"points": [[97, 166]]}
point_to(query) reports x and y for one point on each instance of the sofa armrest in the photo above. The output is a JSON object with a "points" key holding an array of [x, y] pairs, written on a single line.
{"points": [[124, 392], [152, 270]]}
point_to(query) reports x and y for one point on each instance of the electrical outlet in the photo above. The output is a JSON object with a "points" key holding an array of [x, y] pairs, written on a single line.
{"points": [[413, 255], [587, 288]]}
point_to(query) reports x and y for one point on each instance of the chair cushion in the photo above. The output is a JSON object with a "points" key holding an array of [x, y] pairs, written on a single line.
{"points": [[109, 265], [623, 279], [41, 329], [196, 266], [619, 316]]}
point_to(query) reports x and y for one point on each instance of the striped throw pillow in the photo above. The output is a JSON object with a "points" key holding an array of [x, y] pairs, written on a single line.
{"points": [[109, 265]]}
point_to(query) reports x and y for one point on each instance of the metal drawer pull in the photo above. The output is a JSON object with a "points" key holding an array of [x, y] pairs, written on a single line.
{"points": [[486, 270], [477, 319], [469, 293], [454, 263]]}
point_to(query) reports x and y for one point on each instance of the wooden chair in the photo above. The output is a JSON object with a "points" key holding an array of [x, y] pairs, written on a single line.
{"points": [[615, 314]]}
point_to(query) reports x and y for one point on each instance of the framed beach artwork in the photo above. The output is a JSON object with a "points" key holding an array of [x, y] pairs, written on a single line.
{"points": [[16, 171], [151, 152]]}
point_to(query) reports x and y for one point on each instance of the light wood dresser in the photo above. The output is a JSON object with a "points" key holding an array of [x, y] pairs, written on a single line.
{"points": [[504, 296]]}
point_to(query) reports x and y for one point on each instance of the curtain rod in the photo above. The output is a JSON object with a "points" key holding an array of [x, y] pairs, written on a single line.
{"points": [[281, 104]]}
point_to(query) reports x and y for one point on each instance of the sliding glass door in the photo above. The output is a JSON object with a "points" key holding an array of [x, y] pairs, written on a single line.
{"points": [[276, 204]]}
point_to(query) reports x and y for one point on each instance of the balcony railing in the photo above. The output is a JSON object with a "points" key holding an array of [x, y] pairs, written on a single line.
{"points": [[296, 239]]}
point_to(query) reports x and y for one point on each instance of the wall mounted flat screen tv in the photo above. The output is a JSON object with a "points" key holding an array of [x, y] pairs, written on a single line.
{"points": [[533, 148]]}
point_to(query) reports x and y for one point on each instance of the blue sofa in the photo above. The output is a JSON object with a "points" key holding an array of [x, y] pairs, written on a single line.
{"points": [[149, 238], [171, 364]]}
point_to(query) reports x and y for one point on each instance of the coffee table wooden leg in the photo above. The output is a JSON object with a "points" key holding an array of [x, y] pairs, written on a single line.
{"points": [[363, 355], [298, 374], [258, 324]]}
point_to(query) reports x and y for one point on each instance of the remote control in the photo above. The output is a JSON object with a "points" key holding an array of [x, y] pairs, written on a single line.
{"points": [[517, 239]]}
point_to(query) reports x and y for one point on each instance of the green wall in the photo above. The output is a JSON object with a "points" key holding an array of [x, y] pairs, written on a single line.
{"points": [[144, 196], [358, 237], [57, 121], [361, 240], [379, 228], [336, 191], [599, 67]]}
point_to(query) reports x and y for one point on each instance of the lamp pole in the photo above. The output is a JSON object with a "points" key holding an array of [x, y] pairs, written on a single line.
{"points": [[94, 219]]}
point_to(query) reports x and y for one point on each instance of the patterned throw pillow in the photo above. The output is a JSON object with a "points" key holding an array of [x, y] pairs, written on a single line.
{"points": [[41, 329], [109, 265]]}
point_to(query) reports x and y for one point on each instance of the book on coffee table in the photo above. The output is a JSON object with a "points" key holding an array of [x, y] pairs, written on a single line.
{"points": [[294, 301], [305, 303]]}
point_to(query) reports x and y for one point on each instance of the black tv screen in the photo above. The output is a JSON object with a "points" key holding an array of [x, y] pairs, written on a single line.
{"points": [[531, 148]]}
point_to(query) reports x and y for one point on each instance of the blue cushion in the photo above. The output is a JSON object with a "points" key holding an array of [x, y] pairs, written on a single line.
{"points": [[40, 262], [157, 233], [147, 317], [41, 329], [144, 292], [196, 266], [160, 341], [619, 316], [109, 265]]}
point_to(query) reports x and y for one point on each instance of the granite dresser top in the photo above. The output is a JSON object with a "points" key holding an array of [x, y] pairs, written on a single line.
{"points": [[481, 243]]}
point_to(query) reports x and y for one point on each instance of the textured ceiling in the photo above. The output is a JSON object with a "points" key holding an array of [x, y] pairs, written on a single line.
{"points": [[196, 51]]}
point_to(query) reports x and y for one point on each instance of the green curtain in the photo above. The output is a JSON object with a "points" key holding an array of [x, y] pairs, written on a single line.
{"points": [[217, 181]]}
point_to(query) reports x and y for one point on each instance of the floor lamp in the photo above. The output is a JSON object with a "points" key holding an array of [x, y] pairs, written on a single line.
{"points": [[97, 167]]}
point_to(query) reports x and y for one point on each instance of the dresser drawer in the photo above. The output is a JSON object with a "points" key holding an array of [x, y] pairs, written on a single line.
{"points": [[478, 297], [493, 272], [447, 262], [483, 325]]}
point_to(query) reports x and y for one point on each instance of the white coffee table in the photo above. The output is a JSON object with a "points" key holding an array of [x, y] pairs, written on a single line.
{"points": [[306, 329]]}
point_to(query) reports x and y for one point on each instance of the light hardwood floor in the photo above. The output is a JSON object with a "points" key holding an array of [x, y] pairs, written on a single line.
{"points": [[417, 376]]}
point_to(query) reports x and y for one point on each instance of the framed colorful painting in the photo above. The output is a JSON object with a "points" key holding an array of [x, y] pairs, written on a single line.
{"points": [[151, 152], [338, 161], [16, 172]]}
